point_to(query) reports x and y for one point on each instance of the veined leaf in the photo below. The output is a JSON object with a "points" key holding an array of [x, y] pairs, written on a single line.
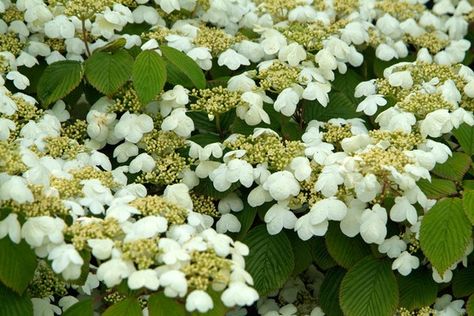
{"points": [[82, 308], [13, 304], [437, 188], [445, 233], [470, 306], [161, 305], [128, 307], [107, 72], [184, 64], [463, 282], [417, 289], [369, 288], [344, 250], [468, 204], [148, 75], [270, 261], [58, 80], [320, 254], [465, 136], [329, 292], [454, 168], [17, 264]]}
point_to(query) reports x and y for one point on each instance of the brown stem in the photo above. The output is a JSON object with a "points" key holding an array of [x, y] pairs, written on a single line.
{"points": [[84, 37]]}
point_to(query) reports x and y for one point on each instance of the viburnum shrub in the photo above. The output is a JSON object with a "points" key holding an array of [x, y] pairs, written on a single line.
{"points": [[236, 157]]}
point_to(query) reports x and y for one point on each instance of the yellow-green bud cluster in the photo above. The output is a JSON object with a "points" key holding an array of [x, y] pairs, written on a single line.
{"points": [[79, 232], [126, 99], [162, 143], [278, 76], [345, 7], [423, 311], [422, 104], [307, 193], [156, 205], [334, 133], [267, 148], [142, 251], [216, 100], [401, 10], [57, 44], [278, 8], [204, 204], [376, 159], [167, 170], [43, 205], [77, 130], [46, 283], [399, 139], [204, 268], [85, 9], [10, 159], [63, 147], [312, 35], [9, 42], [429, 40], [215, 39], [12, 14]]}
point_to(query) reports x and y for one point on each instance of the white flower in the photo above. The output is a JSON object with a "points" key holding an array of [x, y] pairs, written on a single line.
{"points": [[393, 246], [60, 27], [287, 101], [365, 88], [251, 110], [301, 168], [169, 5], [19, 80], [445, 306], [146, 227], [327, 209], [403, 210], [174, 283], [371, 103], [401, 79], [373, 221], [234, 171], [239, 294], [228, 222], [436, 123], [143, 162], [281, 185], [15, 188], [230, 202], [147, 278], [95, 196], [178, 122], [178, 193], [124, 151], [293, 54], [201, 56], [132, 127], [173, 99], [317, 91], [367, 188], [67, 261], [279, 216], [11, 226], [405, 263], [350, 224], [38, 231], [98, 124], [171, 251], [112, 272], [199, 300], [43, 307], [101, 248], [232, 60]]}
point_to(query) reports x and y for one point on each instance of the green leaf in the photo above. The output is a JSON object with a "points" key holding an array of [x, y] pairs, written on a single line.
{"points": [[107, 72], [17, 264], [465, 136], [148, 75], [160, 305], [82, 308], [339, 106], [369, 288], [445, 233], [270, 261], [468, 205], [417, 289], [128, 307], [329, 292], [246, 218], [468, 185], [463, 282], [186, 65], [58, 80], [301, 252], [454, 168], [204, 139], [202, 122], [13, 304], [437, 188], [320, 254], [344, 250], [347, 82], [470, 306]]}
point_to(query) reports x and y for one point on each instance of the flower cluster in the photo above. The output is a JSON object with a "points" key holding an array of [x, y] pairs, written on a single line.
{"points": [[303, 116]]}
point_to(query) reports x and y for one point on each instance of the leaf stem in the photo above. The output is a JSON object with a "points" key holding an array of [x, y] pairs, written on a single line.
{"points": [[84, 37]]}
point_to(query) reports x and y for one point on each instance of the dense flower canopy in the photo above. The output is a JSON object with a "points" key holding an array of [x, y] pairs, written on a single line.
{"points": [[236, 157]]}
